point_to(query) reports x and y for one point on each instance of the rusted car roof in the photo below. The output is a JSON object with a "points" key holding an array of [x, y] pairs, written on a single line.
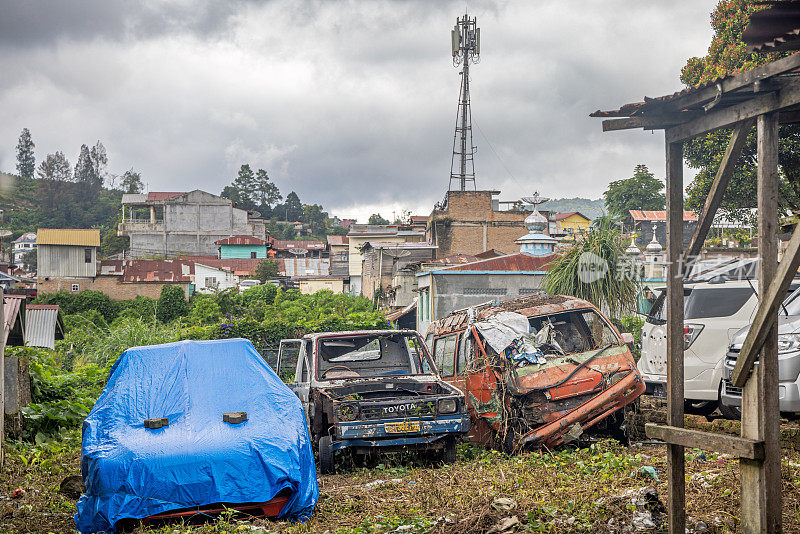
{"points": [[528, 305]]}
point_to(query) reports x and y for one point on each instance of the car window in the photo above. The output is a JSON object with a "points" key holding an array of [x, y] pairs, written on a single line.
{"points": [[367, 356], [444, 350], [572, 332], [792, 302], [709, 302], [418, 355]]}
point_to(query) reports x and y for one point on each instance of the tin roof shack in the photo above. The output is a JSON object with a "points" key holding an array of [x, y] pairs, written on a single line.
{"points": [[384, 233], [244, 247], [453, 288], [382, 261], [339, 253], [296, 249], [173, 224], [128, 279], [66, 257], [649, 222], [469, 222]]}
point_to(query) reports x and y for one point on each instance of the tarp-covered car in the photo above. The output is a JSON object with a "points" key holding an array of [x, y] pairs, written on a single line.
{"points": [[537, 370], [186, 425]]}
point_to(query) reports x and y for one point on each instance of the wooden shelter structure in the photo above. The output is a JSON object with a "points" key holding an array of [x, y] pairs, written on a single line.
{"points": [[765, 96]]}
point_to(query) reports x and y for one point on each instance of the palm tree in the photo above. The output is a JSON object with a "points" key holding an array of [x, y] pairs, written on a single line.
{"points": [[597, 269]]}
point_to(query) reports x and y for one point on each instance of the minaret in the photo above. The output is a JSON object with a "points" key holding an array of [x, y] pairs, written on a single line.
{"points": [[536, 242]]}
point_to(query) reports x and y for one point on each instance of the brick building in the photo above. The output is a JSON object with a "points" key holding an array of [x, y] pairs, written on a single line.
{"points": [[471, 222]]}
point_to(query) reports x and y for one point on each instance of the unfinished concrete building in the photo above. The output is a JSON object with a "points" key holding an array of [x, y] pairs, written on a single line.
{"points": [[174, 224]]}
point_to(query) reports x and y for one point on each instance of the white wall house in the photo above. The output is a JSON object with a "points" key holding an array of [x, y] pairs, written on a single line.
{"points": [[209, 279], [24, 243]]}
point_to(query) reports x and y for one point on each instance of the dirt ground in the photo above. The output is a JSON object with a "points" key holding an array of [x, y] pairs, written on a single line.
{"points": [[602, 487]]}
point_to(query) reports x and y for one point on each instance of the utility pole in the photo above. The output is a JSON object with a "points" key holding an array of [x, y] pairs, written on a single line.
{"points": [[466, 47]]}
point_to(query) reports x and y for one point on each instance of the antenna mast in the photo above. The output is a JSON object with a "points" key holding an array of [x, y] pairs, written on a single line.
{"points": [[466, 47]]}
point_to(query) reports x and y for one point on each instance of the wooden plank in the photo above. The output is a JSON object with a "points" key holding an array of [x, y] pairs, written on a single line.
{"points": [[761, 480], [649, 122], [735, 82], [789, 95], [676, 460], [710, 441], [738, 139]]}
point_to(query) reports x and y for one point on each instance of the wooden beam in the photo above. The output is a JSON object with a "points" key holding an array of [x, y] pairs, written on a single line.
{"points": [[676, 467], [649, 122], [735, 82], [761, 479], [710, 441], [717, 191], [788, 95], [767, 313]]}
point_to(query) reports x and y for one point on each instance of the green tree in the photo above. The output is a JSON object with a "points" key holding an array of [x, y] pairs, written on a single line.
{"points": [[727, 54], [641, 192], [266, 270], [615, 290], [376, 218], [172, 304], [53, 172], [132, 182], [26, 161], [266, 192], [29, 260], [111, 243], [315, 216], [292, 208]]}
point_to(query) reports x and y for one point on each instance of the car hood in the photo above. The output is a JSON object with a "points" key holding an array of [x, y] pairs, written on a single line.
{"points": [[786, 325]]}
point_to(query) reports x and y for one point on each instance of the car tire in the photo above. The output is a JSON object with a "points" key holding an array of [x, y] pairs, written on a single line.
{"points": [[728, 411], [699, 407], [325, 455], [449, 453]]}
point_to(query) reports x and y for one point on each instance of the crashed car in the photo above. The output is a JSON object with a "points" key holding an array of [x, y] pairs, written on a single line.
{"points": [[373, 390], [537, 370]]}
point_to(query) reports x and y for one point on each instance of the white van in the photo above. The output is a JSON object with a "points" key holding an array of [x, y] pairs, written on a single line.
{"points": [[247, 284]]}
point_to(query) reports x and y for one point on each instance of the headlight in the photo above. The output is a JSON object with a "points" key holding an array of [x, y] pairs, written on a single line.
{"points": [[788, 343], [347, 412], [447, 406]]}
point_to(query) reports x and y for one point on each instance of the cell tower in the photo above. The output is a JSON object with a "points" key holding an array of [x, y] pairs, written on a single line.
{"points": [[466, 47]]}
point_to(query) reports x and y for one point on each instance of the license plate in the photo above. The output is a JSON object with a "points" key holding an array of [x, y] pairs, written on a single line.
{"points": [[659, 391], [403, 427]]}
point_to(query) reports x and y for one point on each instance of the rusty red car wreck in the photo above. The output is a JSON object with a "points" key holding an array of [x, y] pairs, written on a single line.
{"points": [[536, 370]]}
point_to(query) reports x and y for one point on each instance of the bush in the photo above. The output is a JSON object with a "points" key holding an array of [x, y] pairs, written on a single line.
{"points": [[71, 303], [172, 304], [264, 293], [204, 311]]}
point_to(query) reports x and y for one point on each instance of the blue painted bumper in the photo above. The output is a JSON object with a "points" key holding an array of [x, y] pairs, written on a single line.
{"points": [[373, 434]]}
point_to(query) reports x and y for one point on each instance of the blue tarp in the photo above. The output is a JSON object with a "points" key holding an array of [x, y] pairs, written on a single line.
{"points": [[133, 472]]}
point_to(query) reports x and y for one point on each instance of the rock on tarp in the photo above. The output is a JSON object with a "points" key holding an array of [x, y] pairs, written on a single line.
{"points": [[133, 472]]}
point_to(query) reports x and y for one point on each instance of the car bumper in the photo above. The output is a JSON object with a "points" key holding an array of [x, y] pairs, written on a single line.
{"points": [[788, 390], [375, 433], [589, 413]]}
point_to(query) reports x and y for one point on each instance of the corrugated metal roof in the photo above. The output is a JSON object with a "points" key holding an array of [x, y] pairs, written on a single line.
{"points": [[241, 240], [54, 236], [238, 266], [11, 311], [298, 245], [455, 259], [395, 315], [304, 266], [177, 270], [40, 326], [652, 216], [510, 263], [163, 195]]}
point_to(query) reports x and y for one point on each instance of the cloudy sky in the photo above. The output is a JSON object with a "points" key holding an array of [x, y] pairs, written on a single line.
{"points": [[350, 103]]}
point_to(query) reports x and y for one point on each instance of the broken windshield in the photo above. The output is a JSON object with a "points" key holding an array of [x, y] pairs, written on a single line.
{"points": [[572, 332], [371, 356]]}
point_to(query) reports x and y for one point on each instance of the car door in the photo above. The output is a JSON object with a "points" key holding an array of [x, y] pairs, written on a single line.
{"points": [[285, 368]]}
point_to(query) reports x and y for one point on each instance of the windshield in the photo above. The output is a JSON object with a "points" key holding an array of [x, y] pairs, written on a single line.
{"points": [[371, 356], [572, 332]]}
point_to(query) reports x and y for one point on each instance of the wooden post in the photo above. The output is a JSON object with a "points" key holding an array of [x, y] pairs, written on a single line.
{"points": [[675, 269], [761, 479]]}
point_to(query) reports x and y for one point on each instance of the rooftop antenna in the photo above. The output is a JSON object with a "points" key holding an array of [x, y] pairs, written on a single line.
{"points": [[465, 40]]}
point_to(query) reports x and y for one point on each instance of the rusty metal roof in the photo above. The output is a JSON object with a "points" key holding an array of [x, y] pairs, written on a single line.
{"points": [[298, 245], [653, 216], [510, 263], [176, 270], [238, 266], [455, 259], [528, 305], [13, 303], [162, 195], [337, 240], [82, 237], [241, 240]]}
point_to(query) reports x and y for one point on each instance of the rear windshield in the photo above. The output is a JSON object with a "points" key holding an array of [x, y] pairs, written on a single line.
{"points": [[371, 356], [703, 303]]}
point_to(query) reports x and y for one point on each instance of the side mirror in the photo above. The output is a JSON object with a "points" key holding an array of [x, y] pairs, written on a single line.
{"points": [[627, 337]]}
